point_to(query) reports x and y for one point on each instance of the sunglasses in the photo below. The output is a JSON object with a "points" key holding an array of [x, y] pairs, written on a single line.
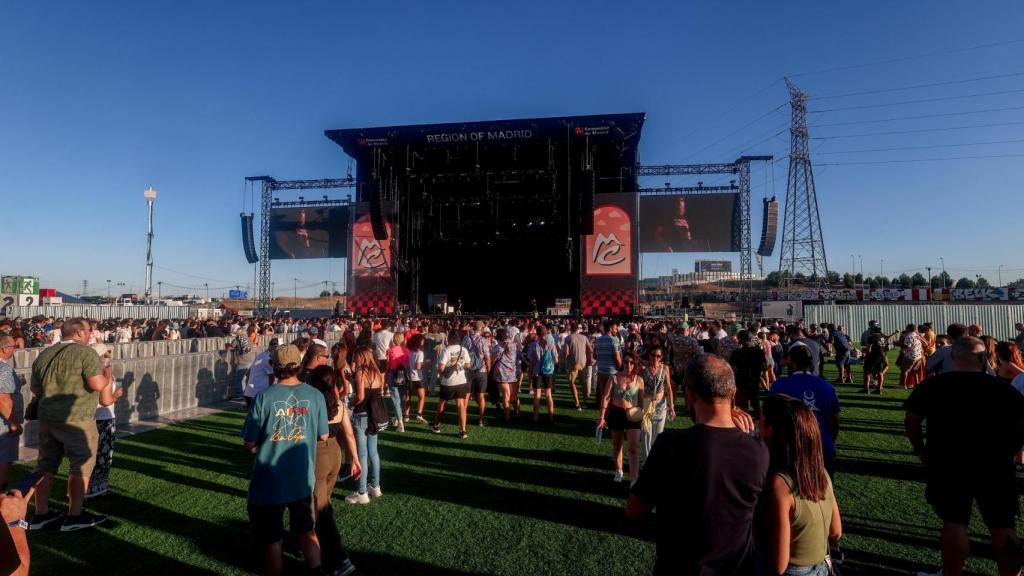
{"points": [[656, 356]]}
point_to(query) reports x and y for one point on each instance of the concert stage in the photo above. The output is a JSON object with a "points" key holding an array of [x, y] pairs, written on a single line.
{"points": [[496, 214]]}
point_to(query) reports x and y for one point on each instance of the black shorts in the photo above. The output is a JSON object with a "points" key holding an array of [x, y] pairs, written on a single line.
{"points": [[543, 382], [415, 385], [617, 420], [951, 494], [477, 382], [454, 392], [268, 521]]}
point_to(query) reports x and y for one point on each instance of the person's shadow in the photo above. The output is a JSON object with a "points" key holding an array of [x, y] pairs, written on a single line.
{"points": [[147, 398]]}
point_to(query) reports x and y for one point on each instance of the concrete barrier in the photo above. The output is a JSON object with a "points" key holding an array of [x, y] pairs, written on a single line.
{"points": [[160, 378]]}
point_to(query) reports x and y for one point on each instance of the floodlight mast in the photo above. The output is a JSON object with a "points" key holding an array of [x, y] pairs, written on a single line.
{"points": [[150, 195]]}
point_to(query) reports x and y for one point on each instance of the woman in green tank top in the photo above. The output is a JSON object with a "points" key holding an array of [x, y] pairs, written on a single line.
{"points": [[801, 517]]}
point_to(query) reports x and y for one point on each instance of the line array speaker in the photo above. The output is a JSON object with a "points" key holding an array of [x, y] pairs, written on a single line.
{"points": [[372, 194], [769, 226], [247, 241], [585, 192]]}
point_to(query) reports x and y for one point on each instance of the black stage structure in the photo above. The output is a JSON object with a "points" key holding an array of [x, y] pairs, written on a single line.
{"points": [[487, 213], [504, 215]]}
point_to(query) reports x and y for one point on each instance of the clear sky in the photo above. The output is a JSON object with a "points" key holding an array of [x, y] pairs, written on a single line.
{"points": [[100, 99]]}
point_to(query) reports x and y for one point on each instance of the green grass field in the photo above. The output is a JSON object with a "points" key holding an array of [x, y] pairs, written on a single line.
{"points": [[509, 500]]}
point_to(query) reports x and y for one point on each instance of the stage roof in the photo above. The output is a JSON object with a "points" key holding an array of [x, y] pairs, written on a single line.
{"points": [[357, 142]]}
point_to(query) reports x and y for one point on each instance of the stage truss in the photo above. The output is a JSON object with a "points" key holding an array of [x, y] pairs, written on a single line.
{"points": [[740, 167]]}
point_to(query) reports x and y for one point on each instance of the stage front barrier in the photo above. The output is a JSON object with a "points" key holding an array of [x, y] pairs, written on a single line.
{"points": [[161, 378]]}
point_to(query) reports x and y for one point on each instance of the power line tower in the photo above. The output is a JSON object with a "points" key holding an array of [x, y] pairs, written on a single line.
{"points": [[803, 248]]}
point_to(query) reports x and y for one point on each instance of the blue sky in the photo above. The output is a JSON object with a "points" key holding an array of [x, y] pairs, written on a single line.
{"points": [[99, 100]]}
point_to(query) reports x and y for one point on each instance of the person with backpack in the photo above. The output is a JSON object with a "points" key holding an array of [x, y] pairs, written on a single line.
{"points": [[543, 356], [398, 376], [452, 368]]}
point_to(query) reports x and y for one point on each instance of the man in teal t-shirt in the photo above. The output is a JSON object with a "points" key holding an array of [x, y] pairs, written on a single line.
{"points": [[284, 424]]}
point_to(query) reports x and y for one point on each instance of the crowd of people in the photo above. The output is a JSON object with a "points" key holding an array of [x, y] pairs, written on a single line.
{"points": [[748, 489]]}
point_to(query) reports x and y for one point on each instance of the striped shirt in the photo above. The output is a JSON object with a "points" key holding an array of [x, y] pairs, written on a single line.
{"points": [[605, 348]]}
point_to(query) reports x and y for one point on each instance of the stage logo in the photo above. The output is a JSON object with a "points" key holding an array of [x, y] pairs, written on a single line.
{"points": [[370, 257], [609, 249]]}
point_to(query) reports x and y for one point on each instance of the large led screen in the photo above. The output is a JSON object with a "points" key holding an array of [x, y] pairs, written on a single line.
{"points": [[688, 223], [308, 232]]}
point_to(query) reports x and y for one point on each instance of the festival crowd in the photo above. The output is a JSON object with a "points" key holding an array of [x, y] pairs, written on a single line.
{"points": [[748, 489]]}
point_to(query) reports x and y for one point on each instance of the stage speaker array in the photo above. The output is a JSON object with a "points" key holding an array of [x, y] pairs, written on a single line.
{"points": [[247, 241], [769, 226], [372, 194], [585, 192]]}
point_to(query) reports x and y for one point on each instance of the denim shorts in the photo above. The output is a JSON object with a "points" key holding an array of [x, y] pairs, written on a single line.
{"points": [[816, 570]]}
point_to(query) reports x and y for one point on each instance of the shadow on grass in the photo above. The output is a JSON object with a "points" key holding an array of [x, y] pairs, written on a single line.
{"points": [[881, 469], [476, 492], [563, 457]]}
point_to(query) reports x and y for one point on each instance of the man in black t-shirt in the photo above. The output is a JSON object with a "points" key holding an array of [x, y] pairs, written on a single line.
{"points": [[975, 427], [704, 481]]}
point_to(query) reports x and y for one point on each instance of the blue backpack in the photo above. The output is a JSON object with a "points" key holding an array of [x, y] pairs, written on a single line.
{"points": [[547, 363]]}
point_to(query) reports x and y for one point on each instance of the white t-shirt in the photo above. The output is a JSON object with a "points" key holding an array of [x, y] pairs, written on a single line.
{"points": [[452, 354], [381, 342], [414, 359], [259, 375], [124, 334]]}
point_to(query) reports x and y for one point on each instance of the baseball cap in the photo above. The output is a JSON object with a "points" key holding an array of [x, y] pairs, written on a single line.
{"points": [[285, 355], [313, 331]]}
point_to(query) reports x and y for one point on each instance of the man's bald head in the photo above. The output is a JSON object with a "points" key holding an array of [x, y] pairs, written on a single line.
{"points": [[711, 379], [968, 354]]}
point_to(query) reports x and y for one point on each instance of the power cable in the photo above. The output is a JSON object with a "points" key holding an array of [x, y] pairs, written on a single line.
{"points": [[736, 131], [922, 116], [917, 130], [916, 86], [895, 149], [920, 101], [912, 160]]}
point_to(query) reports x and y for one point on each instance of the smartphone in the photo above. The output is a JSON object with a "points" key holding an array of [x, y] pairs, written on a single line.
{"points": [[28, 482]]}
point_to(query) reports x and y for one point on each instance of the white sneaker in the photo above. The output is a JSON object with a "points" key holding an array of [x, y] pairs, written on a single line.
{"points": [[618, 475], [374, 491], [357, 498]]}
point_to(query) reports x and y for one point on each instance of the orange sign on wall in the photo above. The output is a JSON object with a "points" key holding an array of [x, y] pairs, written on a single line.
{"points": [[609, 250]]}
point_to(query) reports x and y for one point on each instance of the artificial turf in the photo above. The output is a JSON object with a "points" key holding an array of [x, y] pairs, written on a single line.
{"points": [[509, 500]]}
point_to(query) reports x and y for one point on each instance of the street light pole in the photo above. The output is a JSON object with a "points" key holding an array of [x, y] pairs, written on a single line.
{"points": [[207, 286], [881, 271], [1000, 275], [943, 272], [150, 195], [295, 291], [108, 289]]}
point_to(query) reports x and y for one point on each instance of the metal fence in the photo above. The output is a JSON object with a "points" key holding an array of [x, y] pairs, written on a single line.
{"points": [[996, 319], [100, 312]]}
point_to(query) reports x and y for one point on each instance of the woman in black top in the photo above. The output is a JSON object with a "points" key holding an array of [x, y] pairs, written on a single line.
{"points": [[328, 464]]}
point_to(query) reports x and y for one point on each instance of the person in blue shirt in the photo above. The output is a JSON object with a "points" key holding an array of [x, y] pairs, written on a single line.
{"points": [[283, 426], [843, 348], [817, 394], [607, 357]]}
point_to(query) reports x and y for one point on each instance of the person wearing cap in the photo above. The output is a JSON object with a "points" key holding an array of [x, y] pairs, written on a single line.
{"points": [[283, 425], [106, 429], [261, 373]]}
